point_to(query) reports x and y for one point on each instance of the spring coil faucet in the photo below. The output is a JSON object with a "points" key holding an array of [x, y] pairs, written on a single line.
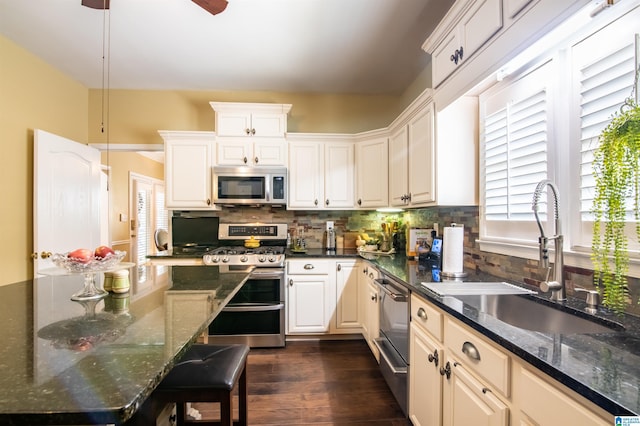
{"points": [[557, 286]]}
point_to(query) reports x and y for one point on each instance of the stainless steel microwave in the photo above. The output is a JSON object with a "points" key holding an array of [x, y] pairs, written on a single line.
{"points": [[249, 185]]}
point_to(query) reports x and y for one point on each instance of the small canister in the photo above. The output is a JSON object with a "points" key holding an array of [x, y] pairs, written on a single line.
{"points": [[120, 281], [108, 281]]}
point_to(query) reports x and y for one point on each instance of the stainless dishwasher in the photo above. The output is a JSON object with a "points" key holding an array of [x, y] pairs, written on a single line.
{"points": [[393, 342]]}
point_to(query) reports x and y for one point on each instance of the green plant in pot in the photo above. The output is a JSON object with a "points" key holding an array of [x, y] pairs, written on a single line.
{"points": [[616, 168]]}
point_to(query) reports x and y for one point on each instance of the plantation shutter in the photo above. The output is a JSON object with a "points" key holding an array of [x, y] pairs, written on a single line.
{"points": [[514, 152], [604, 85]]}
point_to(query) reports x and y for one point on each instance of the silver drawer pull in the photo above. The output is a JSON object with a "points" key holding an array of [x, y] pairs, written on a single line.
{"points": [[471, 351], [308, 266], [422, 314]]}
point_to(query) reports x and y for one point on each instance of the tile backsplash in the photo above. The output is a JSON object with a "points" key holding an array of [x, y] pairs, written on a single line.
{"points": [[506, 267]]}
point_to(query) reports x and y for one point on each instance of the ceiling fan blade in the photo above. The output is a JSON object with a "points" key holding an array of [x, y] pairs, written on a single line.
{"points": [[212, 6], [96, 4]]}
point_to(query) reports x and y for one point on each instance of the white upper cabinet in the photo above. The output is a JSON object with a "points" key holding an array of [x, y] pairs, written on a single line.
{"points": [[321, 172], [478, 21], [188, 161], [251, 134], [251, 152], [251, 119], [372, 171], [411, 156], [477, 37]]}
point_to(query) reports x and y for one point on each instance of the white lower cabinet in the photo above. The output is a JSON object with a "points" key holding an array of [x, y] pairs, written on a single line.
{"points": [[425, 381], [467, 401], [323, 297], [545, 403], [348, 312], [369, 296], [477, 382], [310, 296]]}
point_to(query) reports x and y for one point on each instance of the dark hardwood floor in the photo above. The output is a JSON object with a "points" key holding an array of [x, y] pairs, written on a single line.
{"points": [[317, 383]]}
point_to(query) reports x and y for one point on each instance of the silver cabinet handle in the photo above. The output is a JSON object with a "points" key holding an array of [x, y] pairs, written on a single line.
{"points": [[471, 351], [245, 160], [309, 266], [316, 202], [256, 160], [291, 283], [327, 202], [422, 314], [339, 267], [359, 201], [247, 131], [446, 370], [374, 297], [253, 131]]}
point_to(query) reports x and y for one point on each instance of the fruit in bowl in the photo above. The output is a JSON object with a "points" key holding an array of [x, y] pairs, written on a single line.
{"points": [[103, 252], [81, 255]]}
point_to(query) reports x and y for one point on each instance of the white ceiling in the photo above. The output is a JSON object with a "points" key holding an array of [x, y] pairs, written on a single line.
{"points": [[328, 46]]}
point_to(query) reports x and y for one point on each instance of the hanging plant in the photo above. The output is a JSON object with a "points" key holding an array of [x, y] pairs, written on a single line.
{"points": [[616, 167]]}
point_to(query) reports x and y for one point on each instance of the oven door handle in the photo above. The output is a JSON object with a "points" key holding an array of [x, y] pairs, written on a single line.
{"points": [[396, 297], [253, 307], [267, 274], [394, 367]]}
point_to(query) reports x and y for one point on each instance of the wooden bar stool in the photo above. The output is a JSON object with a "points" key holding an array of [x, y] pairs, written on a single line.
{"points": [[208, 373]]}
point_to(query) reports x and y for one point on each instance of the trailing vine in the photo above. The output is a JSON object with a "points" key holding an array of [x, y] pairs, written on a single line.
{"points": [[616, 167]]}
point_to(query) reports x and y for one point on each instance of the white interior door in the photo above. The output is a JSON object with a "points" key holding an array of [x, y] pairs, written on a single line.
{"points": [[66, 205]]}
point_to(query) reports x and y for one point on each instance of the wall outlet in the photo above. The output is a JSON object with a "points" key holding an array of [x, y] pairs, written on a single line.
{"points": [[329, 224]]}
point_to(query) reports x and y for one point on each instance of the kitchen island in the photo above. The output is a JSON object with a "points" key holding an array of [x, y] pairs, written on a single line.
{"points": [[96, 362]]}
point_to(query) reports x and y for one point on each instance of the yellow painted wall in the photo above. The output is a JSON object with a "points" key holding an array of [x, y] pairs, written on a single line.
{"points": [[33, 95], [135, 116], [121, 163]]}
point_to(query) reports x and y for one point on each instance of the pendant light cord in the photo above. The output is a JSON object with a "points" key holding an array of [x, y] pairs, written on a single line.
{"points": [[106, 73]]}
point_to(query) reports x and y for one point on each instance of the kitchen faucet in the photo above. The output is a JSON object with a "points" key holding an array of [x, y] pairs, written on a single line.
{"points": [[557, 286]]}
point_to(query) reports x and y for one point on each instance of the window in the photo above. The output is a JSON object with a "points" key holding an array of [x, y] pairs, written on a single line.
{"points": [[150, 214], [516, 140], [544, 122]]}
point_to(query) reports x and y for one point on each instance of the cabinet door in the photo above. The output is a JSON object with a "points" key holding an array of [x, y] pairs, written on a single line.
{"points": [[269, 152], [373, 173], [425, 381], [188, 173], [268, 125], [348, 315], [546, 405], [466, 401], [233, 123], [310, 304], [234, 152], [421, 157], [339, 183], [479, 24], [305, 175], [398, 173], [373, 314], [443, 61], [513, 7]]}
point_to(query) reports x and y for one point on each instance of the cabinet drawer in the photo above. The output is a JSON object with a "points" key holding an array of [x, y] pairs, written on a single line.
{"points": [[308, 267], [427, 317], [479, 356]]}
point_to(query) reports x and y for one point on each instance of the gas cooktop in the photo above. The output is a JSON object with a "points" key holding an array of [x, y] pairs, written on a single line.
{"points": [[271, 256]]}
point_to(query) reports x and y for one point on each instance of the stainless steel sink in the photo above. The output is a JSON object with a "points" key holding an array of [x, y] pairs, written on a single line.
{"points": [[524, 312]]}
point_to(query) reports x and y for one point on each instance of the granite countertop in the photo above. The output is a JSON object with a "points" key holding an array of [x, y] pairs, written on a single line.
{"points": [[66, 362], [604, 367]]}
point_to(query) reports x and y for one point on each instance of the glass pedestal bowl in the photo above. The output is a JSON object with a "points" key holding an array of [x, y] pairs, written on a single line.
{"points": [[89, 270]]}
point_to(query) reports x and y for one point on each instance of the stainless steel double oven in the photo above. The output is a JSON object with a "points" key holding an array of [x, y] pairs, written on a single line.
{"points": [[256, 314]]}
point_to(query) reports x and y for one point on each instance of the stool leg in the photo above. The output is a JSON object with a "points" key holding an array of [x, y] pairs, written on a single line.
{"points": [[242, 398], [226, 409], [180, 413]]}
